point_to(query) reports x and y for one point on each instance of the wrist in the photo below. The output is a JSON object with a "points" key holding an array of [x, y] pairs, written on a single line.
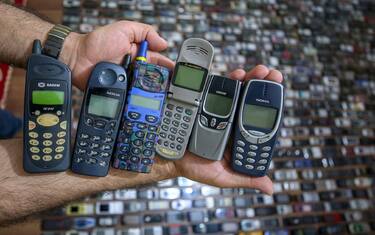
{"points": [[69, 51]]}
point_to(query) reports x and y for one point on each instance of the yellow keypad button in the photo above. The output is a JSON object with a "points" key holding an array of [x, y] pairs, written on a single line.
{"points": [[63, 125], [47, 150], [32, 125], [169, 152], [59, 149], [60, 142], [47, 120], [33, 142], [58, 156], [47, 143], [34, 150], [47, 158], [47, 135], [35, 157], [61, 134], [33, 134]]}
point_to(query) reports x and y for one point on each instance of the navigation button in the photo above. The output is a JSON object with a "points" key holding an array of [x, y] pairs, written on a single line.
{"points": [[100, 124], [168, 113], [48, 120]]}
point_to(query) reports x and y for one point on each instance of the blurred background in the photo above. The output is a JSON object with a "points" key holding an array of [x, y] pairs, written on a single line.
{"points": [[323, 169]]}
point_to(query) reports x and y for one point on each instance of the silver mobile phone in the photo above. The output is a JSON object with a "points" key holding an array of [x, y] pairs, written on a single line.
{"points": [[215, 117], [184, 97]]}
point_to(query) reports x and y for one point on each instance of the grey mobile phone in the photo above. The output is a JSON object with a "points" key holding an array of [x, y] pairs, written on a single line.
{"points": [[215, 116], [184, 97]]}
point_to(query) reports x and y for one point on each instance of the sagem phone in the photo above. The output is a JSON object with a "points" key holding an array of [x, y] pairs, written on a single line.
{"points": [[258, 122], [215, 117], [136, 141], [46, 114], [184, 97], [100, 119]]}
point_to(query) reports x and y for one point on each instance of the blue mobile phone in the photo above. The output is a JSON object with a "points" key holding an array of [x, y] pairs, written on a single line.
{"points": [[136, 140]]}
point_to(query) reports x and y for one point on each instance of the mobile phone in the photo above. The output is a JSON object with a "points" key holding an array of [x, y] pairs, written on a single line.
{"points": [[137, 137], [215, 117], [47, 114], [258, 122], [184, 97], [100, 119]]}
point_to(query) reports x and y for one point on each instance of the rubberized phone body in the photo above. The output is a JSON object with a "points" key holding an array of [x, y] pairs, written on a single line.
{"points": [[258, 122], [184, 97], [100, 119], [215, 117], [47, 114], [135, 149]]}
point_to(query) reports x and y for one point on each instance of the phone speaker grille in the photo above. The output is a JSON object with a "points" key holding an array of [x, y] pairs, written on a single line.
{"points": [[197, 50]]}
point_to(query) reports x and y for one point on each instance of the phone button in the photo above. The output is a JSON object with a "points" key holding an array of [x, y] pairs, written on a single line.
{"points": [[184, 125], [240, 143], [253, 147], [94, 138], [261, 141], [239, 156], [151, 118], [168, 152], [89, 121], [238, 162], [108, 140], [257, 133], [103, 154], [170, 106], [189, 112], [168, 113], [171, 137], [99, 124], [251, 154], [222, 125], [239, 149], [33, 134], [164, 127], [35, 157], [137, 142], [250, 160], [47, 120], [175, 123], [167, 121], [151, 136], [134, 159], [149, 144], [59, 149], [178, 147], [263, 161], [152, 128], [266, 148], [61, 134], [33, 142], [172, 145], [141, 126], [264, 154], [186, 118], [47, 150], [261, 168], [180, 140], [249, 167], [47, 158], [182, 133], [60, 142], [134, 115], [81, 151], [146, 161], [93, 153], [136, 151], [163, 134], [177, 116], [91, 161], [94, 145], [32, 125], [213, 122], [179, 109], [47, 143], [147, 153], [58, 156], [47, 135], [63, 125], [204, 120], [173, 130], [106, 147]]}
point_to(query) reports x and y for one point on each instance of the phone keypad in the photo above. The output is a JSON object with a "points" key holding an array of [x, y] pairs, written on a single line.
{"points": [[41, 145], [179, 118], [252, 157], [95, 147]]}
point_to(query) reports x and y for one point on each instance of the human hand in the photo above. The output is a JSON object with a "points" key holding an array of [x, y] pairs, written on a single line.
{"points": [[219, 173], [110, 43]]}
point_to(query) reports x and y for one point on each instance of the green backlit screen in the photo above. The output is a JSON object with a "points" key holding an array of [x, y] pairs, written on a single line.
{"points": [[189, 77], [103, 106], [47, 97], [218, 104], [145, 102], [259, 116]]}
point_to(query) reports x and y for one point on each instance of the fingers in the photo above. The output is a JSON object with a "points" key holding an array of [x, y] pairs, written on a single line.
{"points": [[138, 32], [159, 59], [263, 184], [259, 72], [238, 74], [275, 75]]}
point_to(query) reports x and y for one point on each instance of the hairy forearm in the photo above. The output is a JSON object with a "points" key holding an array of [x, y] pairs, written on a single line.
{"points": [[22, 194], [18, 31]]}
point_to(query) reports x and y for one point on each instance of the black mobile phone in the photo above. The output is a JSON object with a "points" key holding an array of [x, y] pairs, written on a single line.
{"points": [[100, 119], [258, 122], [47, 114]]}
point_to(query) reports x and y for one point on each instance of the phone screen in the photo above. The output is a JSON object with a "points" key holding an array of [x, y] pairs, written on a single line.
{"points": [[103, 106], [145, 102], [190, 77], [259, 116], [49, 97], [218, 104]]}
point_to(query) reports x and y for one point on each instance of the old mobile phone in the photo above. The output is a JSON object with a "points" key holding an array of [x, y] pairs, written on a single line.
{"points": [[184, 97], [258, 122], [136, 141], [46, 114], [215, 117], [100, 119]]}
